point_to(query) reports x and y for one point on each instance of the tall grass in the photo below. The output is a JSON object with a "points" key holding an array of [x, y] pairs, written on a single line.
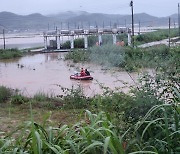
{"points": [[95, 134], [5, 94], [156, 36], [77, 56], [150, 57], [157, 132], [108, 55], [127, 58], [10, 53]]}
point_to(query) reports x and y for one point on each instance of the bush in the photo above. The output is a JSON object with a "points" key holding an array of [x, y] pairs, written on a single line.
{"points": [[10, 53], [108, 55], [5, 94], [146, 58], [79, 43], [75, 99], [66, 45], [19, 99], [78, 56], [92, 40]]}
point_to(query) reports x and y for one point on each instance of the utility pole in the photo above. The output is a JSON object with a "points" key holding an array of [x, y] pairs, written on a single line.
{"points": [[4, 39], [139, 27], [131, 4], [174, 24], [125, 23], [169, 32], [179, 19], [48, 26]]}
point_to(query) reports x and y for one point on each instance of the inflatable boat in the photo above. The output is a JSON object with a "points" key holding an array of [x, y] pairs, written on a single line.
{"points": [[77, 77]]}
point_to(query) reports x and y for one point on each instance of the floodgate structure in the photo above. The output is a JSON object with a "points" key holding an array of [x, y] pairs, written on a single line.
{"points": [[54, 39]]}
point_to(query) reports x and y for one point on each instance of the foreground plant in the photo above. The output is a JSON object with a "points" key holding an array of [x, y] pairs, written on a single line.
{"points": [[95, 135]]}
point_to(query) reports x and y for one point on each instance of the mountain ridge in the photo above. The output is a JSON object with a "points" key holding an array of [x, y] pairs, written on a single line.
{"points": [[73, 19]]}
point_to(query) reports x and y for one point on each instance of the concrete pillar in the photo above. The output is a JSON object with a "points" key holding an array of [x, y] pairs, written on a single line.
{"points": [[129, 39], [45, 42], [58, 42], [114, 39], [85, 42], [100, 39], [72, 41]]}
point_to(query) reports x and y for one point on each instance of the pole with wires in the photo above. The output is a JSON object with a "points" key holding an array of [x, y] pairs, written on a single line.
{"points": [[131, 4], [179, 18], [4, 40], [169, 32]]}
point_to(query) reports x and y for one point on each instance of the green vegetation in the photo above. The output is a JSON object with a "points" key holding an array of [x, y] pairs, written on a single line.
{"points": [[156, 36], [127, 58], [108, 55], [77, 56], [10, 53], [5, 93], [147, 121], [66, 45], [78, 43]]}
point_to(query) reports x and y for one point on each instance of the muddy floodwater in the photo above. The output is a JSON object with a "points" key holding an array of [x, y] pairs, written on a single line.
{"points": [[45, 72]]}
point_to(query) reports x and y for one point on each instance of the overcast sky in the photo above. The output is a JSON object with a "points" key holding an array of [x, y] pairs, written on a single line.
{"points": [[159, 8]]}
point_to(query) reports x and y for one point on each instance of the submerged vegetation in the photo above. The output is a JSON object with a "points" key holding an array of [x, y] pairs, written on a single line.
{"points": [[127, 58], [10, 53]]}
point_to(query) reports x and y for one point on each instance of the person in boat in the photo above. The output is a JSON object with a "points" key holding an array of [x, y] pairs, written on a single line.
{"points": [[82, 73], [87, 72]]}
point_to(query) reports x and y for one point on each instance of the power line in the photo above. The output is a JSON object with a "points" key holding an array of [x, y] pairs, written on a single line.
{"points": [[4, 40]]}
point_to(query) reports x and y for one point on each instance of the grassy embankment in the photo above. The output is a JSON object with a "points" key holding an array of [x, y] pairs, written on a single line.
{"points": [[155, 36]]}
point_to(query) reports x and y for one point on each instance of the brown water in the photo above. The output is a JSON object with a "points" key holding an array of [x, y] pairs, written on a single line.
{"points": [[22, 40], [43, 72]]}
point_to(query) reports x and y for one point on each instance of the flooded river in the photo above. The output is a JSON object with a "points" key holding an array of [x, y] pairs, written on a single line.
{"points": [[44, 72], [22, 41]]}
